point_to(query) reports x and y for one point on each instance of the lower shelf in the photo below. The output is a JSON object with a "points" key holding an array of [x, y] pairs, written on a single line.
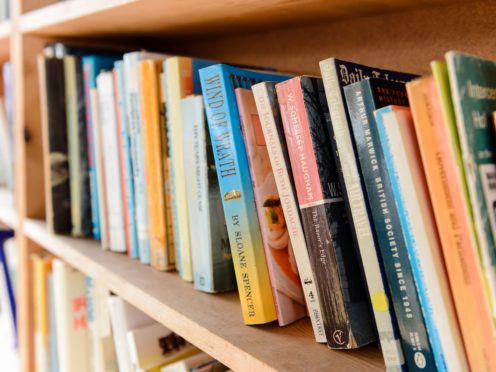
{"points": [[211, 322]]}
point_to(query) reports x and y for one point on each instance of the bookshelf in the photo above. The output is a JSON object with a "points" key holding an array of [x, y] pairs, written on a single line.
{"points": [[286, 35]]}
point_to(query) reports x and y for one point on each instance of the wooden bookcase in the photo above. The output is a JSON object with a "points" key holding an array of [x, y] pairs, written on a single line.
{"points": [[290, 35]]}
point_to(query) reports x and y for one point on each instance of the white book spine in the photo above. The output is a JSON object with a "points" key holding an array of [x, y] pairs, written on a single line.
{"points": [[397, 132], [290, 208], [112, 166]]}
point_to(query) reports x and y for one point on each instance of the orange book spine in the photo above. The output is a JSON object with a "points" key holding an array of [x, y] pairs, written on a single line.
{"points": [[122, 173], [149, 73], [453, 224]]}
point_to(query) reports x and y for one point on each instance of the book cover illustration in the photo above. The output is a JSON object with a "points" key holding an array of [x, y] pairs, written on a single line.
{"points": [[346, 314], [398, 141], [211, 253], [270, 118], [473, 89], [218, 84], [362, 99], [279, 255], [453, 221]]}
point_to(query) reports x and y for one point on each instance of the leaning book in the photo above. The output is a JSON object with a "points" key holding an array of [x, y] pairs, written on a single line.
{"points": [[213, 268]]}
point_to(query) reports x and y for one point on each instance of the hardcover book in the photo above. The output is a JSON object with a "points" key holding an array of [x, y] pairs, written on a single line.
{"points": [[8, 282], [362, 99], [218, 84], [181, 79], [92, 65], [111, 165], [336, 75], [440, 161], [473, 90], [334, 260], [54, 132], [398, 142], [131, 61], [77, 147], [284, 277], [211, 253], [273, 131], [156, 163], [126, 166]]}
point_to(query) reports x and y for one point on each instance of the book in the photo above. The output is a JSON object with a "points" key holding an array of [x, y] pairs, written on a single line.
{"points": [[334, 260], [283, 272], [8, 105], [134, 118], [11, 253], [156, 163], [452, 216], [273, 131], [218, 84], [72, 323], [41, 265], [180, 80], [111, 164], [8, 282], [52, 322], [125, 160], [103, 354], [54, 135], [6, 150], [92, 65], [124, 317], [154, 345], [77, 147], [473, 88], [362, 99], [211, 253], [336, 75], [398, 141]]}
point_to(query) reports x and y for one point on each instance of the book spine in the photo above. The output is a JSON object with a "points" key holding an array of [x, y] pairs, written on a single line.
{"points": [[73, 143], [252, 276], [310, 162], [422, 249], [113, 189], [274, 136], [388, 228], [453, 223], [126, 159], [197, 191], [95, 214], [122, 161], [179, 83], [151, 131], [357, 208], [137, 153], [59, 201], [99, 167]]}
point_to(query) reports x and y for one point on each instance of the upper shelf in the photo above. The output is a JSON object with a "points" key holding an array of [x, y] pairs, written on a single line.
{"points": [[76, 18], [8, 214], [211, 322]]}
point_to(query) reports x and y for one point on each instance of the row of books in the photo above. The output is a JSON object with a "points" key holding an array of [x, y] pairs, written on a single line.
{"points": [[322, 196], [81, 326], [7, 148]]}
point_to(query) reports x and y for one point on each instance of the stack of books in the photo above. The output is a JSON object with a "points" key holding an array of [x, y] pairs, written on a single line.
{"points": [[363, 199]]}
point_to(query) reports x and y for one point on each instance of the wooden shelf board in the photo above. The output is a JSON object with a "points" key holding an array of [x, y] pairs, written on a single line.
{"points": [[5, 29], [8, 213], [137, 18], [211, 322]]}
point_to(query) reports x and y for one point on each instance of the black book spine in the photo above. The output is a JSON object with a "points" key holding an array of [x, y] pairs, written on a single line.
{"points": [[362, 99]]}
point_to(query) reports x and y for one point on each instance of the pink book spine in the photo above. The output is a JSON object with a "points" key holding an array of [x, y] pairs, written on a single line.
{"points": [[286, 285]]}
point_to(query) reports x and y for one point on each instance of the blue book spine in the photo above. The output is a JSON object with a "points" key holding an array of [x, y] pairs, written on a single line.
{"points": [[218, 84], [92, 65], [4, 235], [130, 65], [416, 264], [128, 165]]}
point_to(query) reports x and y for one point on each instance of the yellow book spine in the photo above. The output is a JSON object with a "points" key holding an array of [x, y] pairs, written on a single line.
{"points": [[149, 73], [41, 267], [179, 85]]}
